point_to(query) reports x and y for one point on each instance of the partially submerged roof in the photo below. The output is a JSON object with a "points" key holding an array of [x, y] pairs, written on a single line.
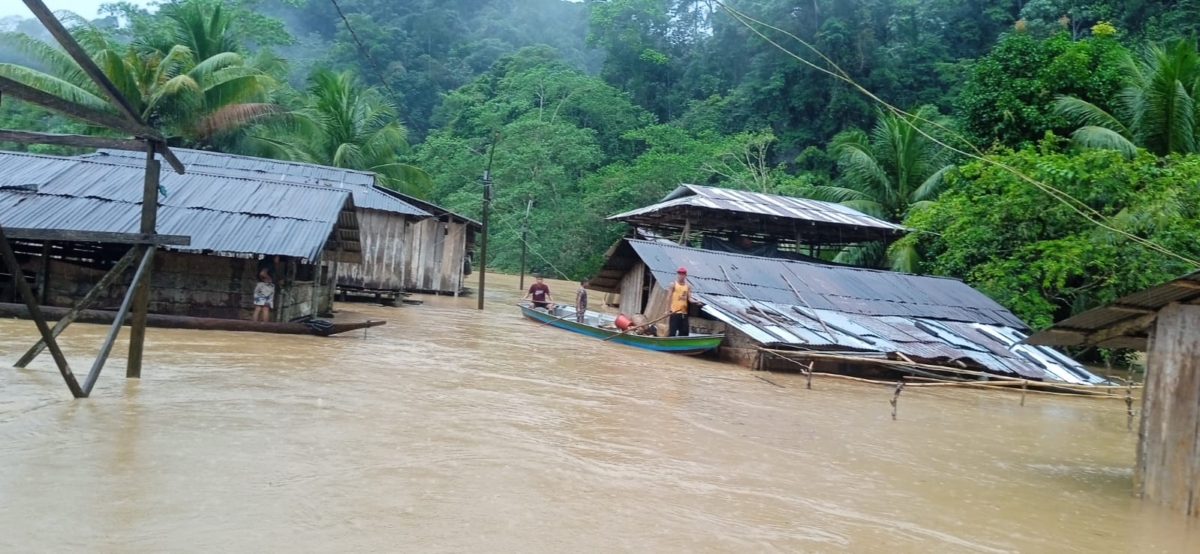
{"points": [[821, 307], [753, 213], [222, 215], [1124, 323], [361, 184]]}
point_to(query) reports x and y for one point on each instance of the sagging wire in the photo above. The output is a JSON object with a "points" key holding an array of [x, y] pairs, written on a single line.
{"points": [[1071, 202], [363, 50], [532, 249]]}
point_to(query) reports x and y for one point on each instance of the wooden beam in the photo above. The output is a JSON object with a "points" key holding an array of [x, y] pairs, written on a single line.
{"points": [[140, 291], [81, 57], [73, 109], [1125, 328], [1130, 309], [14, 268], [81, 141], [97, 236], [169, 156], [105, 282], [115, 329], [1185, 284], [43, 276]]}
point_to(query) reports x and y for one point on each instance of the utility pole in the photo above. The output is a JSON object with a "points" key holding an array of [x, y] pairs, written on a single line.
{"points": [[487, 203], [524, 243]]}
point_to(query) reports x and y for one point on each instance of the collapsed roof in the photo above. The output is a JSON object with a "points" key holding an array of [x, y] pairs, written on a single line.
{"points": [[811, 306]]}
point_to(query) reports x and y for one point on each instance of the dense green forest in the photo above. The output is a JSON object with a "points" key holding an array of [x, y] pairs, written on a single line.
{"points": [[1072, 124]]}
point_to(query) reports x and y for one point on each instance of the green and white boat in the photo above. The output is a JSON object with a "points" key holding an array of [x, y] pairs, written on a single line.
{"points": [[563, 317]]}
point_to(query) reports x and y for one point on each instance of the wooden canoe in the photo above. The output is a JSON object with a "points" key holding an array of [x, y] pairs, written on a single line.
{"points": [[182, 322], [564, 318]]}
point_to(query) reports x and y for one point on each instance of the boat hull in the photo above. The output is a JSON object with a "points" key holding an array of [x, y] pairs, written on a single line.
{"points": [[105, 317], [688, 346]]}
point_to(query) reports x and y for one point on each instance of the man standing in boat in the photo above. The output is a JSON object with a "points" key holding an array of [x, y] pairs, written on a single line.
{"points": [[679, 298], [581, 300], [539, 293]]}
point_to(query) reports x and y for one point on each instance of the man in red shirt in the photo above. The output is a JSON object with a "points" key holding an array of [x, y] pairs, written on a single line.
{"points": [[540, 294]]}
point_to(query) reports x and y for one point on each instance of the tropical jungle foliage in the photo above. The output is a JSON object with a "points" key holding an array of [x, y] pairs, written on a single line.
{"points": [[605, 105]]}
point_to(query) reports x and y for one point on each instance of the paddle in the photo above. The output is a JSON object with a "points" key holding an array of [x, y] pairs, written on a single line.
{"points": [[636, 327]]}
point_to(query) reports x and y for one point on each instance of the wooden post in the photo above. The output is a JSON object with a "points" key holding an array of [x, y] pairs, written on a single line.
{"points": [[43, 276], [333, 280], [10, 260], [105, 282], [141, 287], [315, 305], [1168, 462], [139, 279]]}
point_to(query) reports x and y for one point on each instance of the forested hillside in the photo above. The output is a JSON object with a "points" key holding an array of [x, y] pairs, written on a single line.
{"points": [[604, 105]]}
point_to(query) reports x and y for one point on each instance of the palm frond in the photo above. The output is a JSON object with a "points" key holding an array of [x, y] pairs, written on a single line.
{"points": [[904, 257], [56, 61], [405, 178], [1086, 114], [871, 254], [1099, 137], [932, 185], [236, 116], [54, 85], [837, 195]]}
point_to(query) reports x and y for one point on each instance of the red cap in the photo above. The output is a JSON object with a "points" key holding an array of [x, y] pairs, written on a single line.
{"points": [[682, 270]]}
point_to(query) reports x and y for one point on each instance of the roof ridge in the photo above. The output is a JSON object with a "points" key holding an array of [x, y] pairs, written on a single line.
{"points": [[114, 152], [198, 208]]}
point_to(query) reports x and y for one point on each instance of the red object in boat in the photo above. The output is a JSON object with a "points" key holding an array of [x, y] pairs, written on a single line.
{"points": [[623, 322]]}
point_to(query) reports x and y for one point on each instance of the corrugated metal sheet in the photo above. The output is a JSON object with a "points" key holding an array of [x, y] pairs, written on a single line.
{"points": [[220, 214], [361, 184], [1120, 324], [772, 205], [927, 319], [836, 288]]}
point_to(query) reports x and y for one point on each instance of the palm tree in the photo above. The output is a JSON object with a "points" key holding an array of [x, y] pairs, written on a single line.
{"points": [[344, 124], [198, 87], [888, 174], [1157, 110]]}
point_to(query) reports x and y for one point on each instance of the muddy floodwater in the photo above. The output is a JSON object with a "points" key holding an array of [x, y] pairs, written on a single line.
{"points": [[451, 430]]}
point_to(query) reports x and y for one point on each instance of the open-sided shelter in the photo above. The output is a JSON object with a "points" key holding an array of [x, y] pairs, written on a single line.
{"points": [[237, 226]]}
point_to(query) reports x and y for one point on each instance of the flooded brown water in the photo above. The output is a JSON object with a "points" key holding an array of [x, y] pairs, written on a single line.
{"points": [[449, 430]]}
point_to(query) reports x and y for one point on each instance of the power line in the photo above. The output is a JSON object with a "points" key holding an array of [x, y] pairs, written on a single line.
{"points": [[363, 50], [1071, 202]]}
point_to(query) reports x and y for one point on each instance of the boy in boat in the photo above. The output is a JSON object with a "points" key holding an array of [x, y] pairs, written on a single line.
{"points": [[540, 294], [581, 300], [679, 297], [264, 296]]}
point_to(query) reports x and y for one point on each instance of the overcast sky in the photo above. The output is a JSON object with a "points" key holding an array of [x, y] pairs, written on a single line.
{"points": [[85, 8]]}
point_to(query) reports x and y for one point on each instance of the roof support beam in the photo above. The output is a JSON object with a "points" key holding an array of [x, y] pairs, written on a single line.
{"points": [[96, 236], [81, 141]]}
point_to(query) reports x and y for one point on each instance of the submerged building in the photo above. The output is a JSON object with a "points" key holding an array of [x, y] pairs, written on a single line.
{"points": [[754, 261], [302, 234], [407, 244]]}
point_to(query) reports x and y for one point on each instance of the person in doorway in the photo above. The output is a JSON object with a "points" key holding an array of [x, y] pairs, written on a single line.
{"points": [[539, 293], [679, 298], [264, 297], [581, 300]]}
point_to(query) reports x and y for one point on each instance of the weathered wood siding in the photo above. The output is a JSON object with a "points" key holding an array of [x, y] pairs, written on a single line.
{"points": [[1168, 461], [384, 252], [437, 251], [185, 284], [631, 290]]}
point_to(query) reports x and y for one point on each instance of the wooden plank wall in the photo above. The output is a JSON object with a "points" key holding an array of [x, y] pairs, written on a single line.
{"points": [[384, 251], [631, 290], [437, 250], [1168, 466], [185, 284]]}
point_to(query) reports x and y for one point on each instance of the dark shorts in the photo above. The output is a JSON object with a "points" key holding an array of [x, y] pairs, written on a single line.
{"points": [[541, 304], [678, 325]]}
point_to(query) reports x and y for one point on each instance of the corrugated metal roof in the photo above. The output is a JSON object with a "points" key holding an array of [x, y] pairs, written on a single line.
{"points": [[1120, 324], [772, 205], [361, 184], [928, 319], [434, 209], [220, 214], [837, 288]]}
